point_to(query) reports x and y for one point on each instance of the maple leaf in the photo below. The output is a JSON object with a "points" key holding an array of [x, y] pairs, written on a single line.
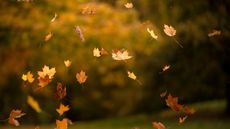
{"points": [[132, 75], [120, 55], [67, 63], [189, 111], [169, 30], [34, 104], [158, 125], [79, 32], [96, 52], [63, 124], [62, 109], [163, 94], [151, 32], [48, 36], [28, 77], [129, 5], [182, 119], [172, 102], [214, 33], [165, 68], [45, 76], [54, 18], [61, 91], [81, 77], [13, 115]]}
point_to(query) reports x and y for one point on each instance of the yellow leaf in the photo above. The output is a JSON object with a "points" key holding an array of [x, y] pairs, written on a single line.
{"points": [[96, 52], [45, 76], [34, 104], [132, 75], [48, 36], [28, 77], [120, 55], [129, 5], [54, 18], [81, 77], [67, 63], [151, 32], [62, 109]]}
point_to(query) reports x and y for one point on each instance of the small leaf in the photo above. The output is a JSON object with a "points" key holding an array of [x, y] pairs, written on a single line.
{"points": [[151, 32], [34, 104], [13, 115], [96, 52], [129, 5], [67, 63], [48, 36], [158, 125], [62, 109], [132, 75], [169, 30], [81, 77], [120, 55]]}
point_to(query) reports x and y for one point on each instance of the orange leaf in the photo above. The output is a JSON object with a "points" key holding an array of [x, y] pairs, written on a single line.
{"points": [[28, 77], [158, 125], [62, 109], [45, 76], [214, 33], [189, 111], [163, 94], [62, 124], [13, 115], [81, 77], [169, 30], [172, 102]]}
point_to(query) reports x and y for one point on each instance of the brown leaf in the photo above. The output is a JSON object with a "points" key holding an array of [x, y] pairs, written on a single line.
{"points": [[61, 91], [172, 102], [13, 115]]}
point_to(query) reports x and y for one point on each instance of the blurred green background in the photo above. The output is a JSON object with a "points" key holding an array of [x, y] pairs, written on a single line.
{"points": [[199, 72]]}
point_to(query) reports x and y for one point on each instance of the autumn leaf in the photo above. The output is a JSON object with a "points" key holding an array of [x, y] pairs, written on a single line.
{"points": [[79, 32], [13, 115], [62, 109], [165, 68], [81, 77], [151, 32], [61, 91], [172, 102], [88, 10], [96, 52], [189, 111], [67, 63], [214, 33], [158, 125], [54, 18], [48, 36], [169, 30], [132, 75], [45, 76], [103, 52], [129, 5], [63, 124], [182, 119], [33, 104], [163, 94], [120, 55], [28, 77]]}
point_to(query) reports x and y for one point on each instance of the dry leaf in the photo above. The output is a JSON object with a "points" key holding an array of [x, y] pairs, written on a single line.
{"points": [[62, 124], [158, 125], [79, 32], [48, 36], [214, 33], [169, 30], [103, 52], [189, 111], [13, 115], [120, 55], [163, 94], [61, 91], [182, 119], [45, 76], [151, 32], [62, 109], [165, 68], [28, 77], [67, 63], [132, 75], [81, 77], [96, 52], [172, 102], [54, 18], [129, 5], [34, 104]]}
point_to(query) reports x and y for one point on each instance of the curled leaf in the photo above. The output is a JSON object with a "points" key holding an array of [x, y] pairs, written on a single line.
{"points": [[214, 33], [54, 18], [79, 32], [48, 36], [13, 115]]}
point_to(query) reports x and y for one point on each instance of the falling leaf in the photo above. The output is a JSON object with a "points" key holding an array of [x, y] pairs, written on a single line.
{"points": [[169, 30], [88, 10], [67, 63], [189, 111], [151, 32], [61, 91], [129, 5], [103, 52], [158, 125], [48, 36], [96, 52], [120, 55], [182, 119], [62, 124], [54, 18], [13, 115], [62, 109], [28, 77], [81, 77], [163, 94], [172, 102], [45, 76], [34, 104], [132, 75], [165, 68], [79, 32], [214, 33]]}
